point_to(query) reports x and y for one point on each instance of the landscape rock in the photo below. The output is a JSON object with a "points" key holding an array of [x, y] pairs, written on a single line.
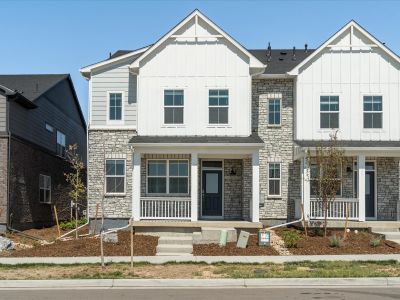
{"points": [[6, 244], [111, 238]]}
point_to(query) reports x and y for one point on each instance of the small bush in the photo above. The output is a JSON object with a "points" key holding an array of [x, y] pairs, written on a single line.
{"points": [[375, 242], [336, 241], [67, 225], [291, 238], [318, 231]]}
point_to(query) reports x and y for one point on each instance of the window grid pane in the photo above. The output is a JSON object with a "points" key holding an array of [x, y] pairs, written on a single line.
{"points": [[218, 101], [115, 106], [168, 176], [173, 106], [329, 112], [274, 179], [115, 176], [372, 112]]}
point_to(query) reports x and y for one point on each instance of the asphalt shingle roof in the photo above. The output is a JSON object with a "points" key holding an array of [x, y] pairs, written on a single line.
{"points": [[252, 139]]}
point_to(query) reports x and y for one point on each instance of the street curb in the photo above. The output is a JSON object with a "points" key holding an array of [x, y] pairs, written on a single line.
{"points": [[196, 259], [200, 283]]}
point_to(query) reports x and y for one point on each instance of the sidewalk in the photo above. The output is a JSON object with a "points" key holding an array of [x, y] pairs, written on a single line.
{"points": [[206, 259]]}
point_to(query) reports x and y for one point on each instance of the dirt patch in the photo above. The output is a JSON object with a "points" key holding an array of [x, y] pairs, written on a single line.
{"points": [[230, 249], [353, 244], [142, 246]]}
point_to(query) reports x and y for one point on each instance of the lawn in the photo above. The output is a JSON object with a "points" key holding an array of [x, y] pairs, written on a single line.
{"points": [[305, 269]]}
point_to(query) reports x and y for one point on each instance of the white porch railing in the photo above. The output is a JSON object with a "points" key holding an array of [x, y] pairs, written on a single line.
{"points": [[337, 209], [165, 208]]}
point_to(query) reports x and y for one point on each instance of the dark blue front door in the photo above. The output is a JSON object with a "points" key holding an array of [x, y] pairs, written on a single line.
{"points": [[212, 193]]}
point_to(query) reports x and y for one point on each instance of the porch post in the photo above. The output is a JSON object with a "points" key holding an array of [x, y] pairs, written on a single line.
{"points": [[305, 193], [255, 207], [136, 186], [361, 187], [194, 175]]}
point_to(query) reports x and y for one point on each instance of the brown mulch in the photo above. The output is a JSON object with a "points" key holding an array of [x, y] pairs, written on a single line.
{"points": [[353, 244], [230, 249], [142, 246]]}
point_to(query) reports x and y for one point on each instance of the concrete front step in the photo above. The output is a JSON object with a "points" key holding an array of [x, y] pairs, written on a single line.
{"points": [[384, 229], [175, 240], [212, 235], [182, 249], [173, 254], [390, 235]]}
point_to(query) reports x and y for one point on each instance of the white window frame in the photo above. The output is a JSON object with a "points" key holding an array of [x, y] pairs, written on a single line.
{"points": [[275, 179], [173, 106], [370, 112], [280, 112], [65, 146], [48, 127], [105, 178], [218, 106], [116, 122], [167, 176], [45, 177], [329, 112], [340, 178]]}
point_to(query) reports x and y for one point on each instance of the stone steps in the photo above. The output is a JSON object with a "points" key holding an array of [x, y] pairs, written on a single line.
{"points": [[175, 245]]}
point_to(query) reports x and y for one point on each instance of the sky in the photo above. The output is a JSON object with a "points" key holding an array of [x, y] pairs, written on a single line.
{"points": [[48, 37]]}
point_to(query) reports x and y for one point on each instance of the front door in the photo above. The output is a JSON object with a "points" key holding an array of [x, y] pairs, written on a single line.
{"points": [[212, 193], [370, 194]]}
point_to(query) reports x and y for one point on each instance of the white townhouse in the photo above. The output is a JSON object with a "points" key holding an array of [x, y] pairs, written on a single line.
{"points": [[197, 128]]}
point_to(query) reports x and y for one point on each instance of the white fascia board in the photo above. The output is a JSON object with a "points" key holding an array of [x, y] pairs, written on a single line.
{"points": [[254, 62], [273, 76], [352, 23], [354, 151], [194, 145]]}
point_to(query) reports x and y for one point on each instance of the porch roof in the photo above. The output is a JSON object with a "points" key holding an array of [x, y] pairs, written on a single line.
{"points": [[350, 144]]}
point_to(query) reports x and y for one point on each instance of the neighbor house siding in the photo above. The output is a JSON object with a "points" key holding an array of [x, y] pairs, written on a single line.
{"points": [[3, 180]]}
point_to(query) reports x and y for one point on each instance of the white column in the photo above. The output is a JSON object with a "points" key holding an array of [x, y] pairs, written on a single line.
{"points": [[305, 193], [194, 173], [255, 207], [136, 186], [361, 187]]}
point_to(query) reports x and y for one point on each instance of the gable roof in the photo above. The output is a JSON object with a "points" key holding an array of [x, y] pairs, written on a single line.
{"points": [[349, 25]]}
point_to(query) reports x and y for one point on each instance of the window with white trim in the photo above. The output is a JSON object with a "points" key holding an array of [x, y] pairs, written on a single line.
{"points": [[61, 144], [372, 112], [115, 176], [115, 106], [329, 112], [44, 189], [218, 106], [274, 112], [173, 106], [274, 179], [315, 173], [167, 176]]}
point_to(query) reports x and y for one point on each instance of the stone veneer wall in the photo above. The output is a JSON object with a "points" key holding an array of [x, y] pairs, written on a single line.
{"points": [[3, 179], [104, 144], [278, 147], [233, 193], [247, 188], [387, 172]]}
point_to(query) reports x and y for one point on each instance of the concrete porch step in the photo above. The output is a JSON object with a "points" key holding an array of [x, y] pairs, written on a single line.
{"points": [[175, 240], [173, 254], [395, 241], [384, 229], [390, 235], [181, 249]]}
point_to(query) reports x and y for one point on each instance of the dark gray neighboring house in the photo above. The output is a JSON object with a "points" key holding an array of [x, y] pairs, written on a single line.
{"points": [[39, 117]]}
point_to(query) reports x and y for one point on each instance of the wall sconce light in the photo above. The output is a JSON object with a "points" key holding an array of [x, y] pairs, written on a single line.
{"points": [[349, 169], [233, 171]]}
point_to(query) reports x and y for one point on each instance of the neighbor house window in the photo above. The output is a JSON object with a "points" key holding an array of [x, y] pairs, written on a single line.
{"points": [[115, 106], [372, 111], [218, 106], [274, 179], [315, 173], [115, 176], [44, 189], [167, 176], [60, 144], [173, 106], [274, 112], [329, 115], [49, 128]]}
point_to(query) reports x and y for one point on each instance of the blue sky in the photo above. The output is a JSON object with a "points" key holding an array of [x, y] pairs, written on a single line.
{"points": [[63, 36]]}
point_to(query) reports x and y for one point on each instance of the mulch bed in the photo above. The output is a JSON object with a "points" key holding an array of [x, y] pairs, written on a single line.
{"points": [[230, 249], [142, 246], [353, 244]]}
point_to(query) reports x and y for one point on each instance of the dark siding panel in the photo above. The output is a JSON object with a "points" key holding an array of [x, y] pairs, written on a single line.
{"points": [[3, 113]]}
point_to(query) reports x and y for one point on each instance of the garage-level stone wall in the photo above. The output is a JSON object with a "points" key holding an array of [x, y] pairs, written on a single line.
{"points": [[3, 180]]}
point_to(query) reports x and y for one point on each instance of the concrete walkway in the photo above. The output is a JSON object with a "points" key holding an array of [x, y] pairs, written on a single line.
{"points": [[206, 259]]}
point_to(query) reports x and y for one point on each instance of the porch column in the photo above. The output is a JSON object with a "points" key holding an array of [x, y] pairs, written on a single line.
{"points": [[361, 187], [136, 186], [194, 178], [305, 193], [255, 207]]}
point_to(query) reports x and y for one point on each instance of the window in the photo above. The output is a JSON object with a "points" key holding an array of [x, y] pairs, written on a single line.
{"points": [[115, 107], [60, 144], [115, 176], [44, 189], [372, 111], [49, 128], [173, 106], [315, 183], [274, 112], [274, 179], [218, 106], [329, 116], [167, 176]]}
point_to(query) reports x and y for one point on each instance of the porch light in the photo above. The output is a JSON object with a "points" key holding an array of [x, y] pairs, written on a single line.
{"points": [[233, 171], [349, 169]]}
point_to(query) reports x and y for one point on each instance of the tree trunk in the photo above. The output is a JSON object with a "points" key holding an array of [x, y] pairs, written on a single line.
{"points": [[76, 220], [325, 216]]}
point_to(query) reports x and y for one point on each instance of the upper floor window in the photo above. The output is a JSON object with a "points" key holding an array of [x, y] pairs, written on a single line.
{"points": [[60, 144], [316, 179], [173, 106], [218, 106], [49, 128], [115, 176], [274, 112], [372, 111], [115, 106], [274, 179], [44, 189], [329, 116], [168, 176]]}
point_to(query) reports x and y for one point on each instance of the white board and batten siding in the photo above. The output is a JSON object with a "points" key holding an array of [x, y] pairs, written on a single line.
{"points": [[349, 73]]}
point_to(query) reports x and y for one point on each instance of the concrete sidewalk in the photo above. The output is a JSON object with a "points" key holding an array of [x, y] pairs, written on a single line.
{"points": [[200, 283], [206, 259]]}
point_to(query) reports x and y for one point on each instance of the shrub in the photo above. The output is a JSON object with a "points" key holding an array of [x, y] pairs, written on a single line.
{"points": [[336, 241], [318, 231], [291, 238], [67, 225], [375, 242]]}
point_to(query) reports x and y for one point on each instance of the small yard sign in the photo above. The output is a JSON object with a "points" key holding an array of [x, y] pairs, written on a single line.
{"points": [[264, 238], [243, 239]]}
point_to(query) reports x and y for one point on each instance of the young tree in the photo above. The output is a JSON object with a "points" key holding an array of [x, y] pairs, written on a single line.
{"points": [[325, 174], [74, 178]]}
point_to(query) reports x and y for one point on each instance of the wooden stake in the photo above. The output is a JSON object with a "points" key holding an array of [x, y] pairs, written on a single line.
{"points": [[58, 225], [95, 219], [347, 219], [131, 223], [304, 220]]}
